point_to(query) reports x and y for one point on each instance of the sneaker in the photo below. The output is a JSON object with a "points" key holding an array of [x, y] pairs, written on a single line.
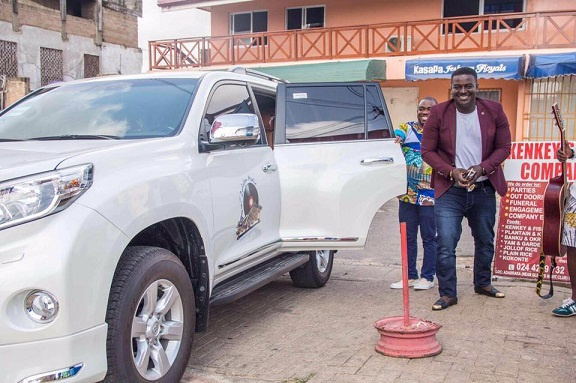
{"points": [[424, 284], [567, 309], [400, 284]]}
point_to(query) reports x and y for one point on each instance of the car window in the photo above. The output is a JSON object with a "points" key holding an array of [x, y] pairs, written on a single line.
{"points": [[266, 102], [123, 109], [376, 115], [325, 113], [227, 99]]}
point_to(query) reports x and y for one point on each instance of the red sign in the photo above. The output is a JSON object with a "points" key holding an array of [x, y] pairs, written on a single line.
{"points": [[519, 234]]}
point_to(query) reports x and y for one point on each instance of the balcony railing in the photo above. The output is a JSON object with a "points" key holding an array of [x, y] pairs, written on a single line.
{"points": [[517, 31]]}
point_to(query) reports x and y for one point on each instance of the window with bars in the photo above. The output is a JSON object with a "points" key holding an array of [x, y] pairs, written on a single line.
{"points": [[91, 66], [8, 63], [541, 94], [51, 66]]}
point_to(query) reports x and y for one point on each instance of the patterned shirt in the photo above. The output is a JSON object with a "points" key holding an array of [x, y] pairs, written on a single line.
{"points": [[418, 191]]}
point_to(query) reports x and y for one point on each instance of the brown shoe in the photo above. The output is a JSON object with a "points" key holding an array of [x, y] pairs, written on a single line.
{"points": [[444, 303]]}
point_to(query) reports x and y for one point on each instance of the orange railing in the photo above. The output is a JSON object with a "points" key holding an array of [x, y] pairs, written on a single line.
{"points": [[517, 31]]}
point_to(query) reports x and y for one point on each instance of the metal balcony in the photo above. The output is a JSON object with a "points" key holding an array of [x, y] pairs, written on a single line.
{"points": [[499, 32]]}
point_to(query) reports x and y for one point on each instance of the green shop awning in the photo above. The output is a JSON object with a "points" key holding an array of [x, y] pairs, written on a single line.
{"points": [[360, 70]]}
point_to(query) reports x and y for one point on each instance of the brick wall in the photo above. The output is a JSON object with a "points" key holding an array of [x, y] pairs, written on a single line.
{"points": [[44, 18], [5, 11], [80, 27], [121, 29]]}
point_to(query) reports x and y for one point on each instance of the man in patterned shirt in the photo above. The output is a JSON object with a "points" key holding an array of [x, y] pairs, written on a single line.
{"points": [[416, 207]]}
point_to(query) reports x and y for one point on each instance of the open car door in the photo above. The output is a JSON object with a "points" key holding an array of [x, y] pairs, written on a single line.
{"points": [[337, 162]]}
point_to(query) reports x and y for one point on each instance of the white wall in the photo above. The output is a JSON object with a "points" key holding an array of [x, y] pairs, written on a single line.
{"points": [[158, 25]]}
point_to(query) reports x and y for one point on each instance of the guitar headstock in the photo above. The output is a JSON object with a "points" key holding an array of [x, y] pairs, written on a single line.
{"points": [[558, 118]]}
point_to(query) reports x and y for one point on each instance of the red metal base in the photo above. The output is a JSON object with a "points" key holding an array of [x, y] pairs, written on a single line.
{"points": [[417, 340]]}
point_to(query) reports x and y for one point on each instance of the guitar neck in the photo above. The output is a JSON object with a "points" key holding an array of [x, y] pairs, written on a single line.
{"points": [[560, 124]]}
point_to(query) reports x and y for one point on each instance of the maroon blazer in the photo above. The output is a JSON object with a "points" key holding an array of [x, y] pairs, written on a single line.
{"points": [[439, 141]]}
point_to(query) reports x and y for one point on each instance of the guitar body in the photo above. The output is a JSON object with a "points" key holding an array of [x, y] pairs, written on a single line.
{"points": [[554, 201]]}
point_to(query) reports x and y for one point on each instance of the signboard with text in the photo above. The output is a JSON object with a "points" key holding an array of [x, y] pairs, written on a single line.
{"points": [[496, 67], [528, 169]]}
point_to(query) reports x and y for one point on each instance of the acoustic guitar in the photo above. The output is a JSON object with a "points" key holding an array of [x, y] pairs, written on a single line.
{"points": [[554, 200]]}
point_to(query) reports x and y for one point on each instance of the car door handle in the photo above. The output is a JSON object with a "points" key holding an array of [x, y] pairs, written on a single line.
{"points": [[269, 168], [369, 161]]}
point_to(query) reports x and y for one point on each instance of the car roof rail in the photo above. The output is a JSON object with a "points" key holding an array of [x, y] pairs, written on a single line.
{"points": [[255, 73]]}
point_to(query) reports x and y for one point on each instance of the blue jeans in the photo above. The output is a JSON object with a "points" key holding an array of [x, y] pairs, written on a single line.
{"points": [[479, 207], [419, 216]]}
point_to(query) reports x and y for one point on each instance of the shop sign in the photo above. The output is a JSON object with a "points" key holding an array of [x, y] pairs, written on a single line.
{"points": [[519, 233]]}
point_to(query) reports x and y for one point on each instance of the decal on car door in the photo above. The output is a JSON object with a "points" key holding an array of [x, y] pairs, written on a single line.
{"points": [[249, 206]]}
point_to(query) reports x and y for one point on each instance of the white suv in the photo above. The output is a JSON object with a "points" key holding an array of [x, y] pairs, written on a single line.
{"points": [[129, 205]]}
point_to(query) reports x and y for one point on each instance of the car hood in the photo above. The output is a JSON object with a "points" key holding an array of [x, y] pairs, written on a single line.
{"points": [[18, 159]]}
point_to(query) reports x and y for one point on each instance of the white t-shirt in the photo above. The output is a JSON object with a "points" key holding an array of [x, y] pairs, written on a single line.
{"points": [[468, 141]]}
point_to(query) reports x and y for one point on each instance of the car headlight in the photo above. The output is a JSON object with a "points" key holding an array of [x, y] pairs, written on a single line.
{"points": [[29, 198]]}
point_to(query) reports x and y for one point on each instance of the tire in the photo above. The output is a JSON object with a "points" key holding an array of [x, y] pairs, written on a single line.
{"points": [[151, 318], [316, 272]]}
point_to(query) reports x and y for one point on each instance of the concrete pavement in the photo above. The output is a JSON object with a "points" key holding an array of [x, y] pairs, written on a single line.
{"points": [[288, 335]]}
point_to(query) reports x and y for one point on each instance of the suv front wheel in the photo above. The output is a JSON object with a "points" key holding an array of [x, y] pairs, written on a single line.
{"points": [[151, 318]]}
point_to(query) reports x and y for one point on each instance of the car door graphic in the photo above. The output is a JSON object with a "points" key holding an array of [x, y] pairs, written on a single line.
{"points": [[244, 186]]}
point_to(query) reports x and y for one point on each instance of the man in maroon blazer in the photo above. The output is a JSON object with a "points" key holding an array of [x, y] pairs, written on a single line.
{"points": [[465, 141]]}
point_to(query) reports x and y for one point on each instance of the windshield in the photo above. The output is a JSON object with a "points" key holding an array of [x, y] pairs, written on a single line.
{"points": [[122, 109]]}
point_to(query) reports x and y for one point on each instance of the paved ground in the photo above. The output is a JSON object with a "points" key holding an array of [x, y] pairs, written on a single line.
{"points": [[288, 335]]}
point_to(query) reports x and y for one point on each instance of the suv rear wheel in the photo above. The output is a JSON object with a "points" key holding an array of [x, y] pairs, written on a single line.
{"points": [[151, 318], [316, 272]]}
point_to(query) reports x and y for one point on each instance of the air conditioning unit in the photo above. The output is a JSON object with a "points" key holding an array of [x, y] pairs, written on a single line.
{"points": [[397, 44]]}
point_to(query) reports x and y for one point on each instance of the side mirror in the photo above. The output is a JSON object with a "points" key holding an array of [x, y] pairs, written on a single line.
{"points": [[242, 127]]}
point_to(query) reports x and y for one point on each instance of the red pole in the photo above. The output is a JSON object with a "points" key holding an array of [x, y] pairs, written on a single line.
{"points": [[404, 246]]}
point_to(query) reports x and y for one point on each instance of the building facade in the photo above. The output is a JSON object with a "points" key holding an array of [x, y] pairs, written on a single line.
{"points": [[156, 24], [44, 41], [410, 47]]}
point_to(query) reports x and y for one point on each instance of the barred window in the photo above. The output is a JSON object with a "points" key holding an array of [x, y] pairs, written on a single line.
{"points": [[91, 66], [8, 63], [541, 94], [51, 66]]}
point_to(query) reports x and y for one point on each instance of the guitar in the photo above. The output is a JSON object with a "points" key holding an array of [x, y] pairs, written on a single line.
{"points": [[555, 197]]}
